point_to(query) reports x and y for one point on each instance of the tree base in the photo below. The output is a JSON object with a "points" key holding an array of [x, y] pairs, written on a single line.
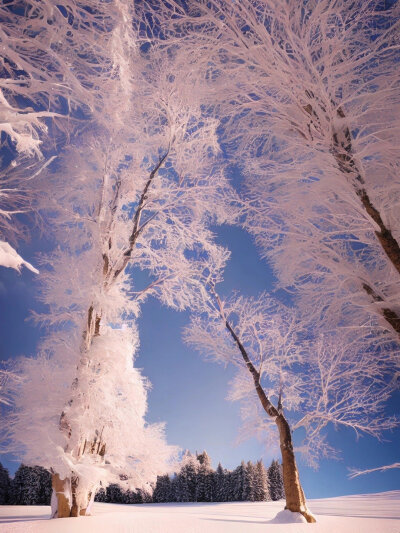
{"points": [[306, 513], [64, 501]]}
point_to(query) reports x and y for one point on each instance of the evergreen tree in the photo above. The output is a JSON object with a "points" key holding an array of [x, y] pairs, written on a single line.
{"points": [[145, 495], [45, 485], [188, 477], [220, 490], [174, 488], [209, 489], [183, 493], [261, 485], [101, 495], [248, 482], [238, 476], [114, 494], [276, 481], [204, 479], [31, 486], [5, 485], [162, 492], [230, 485]]}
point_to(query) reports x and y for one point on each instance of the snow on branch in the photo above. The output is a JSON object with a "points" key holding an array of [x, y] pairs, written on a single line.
{"points": [[10, 258], [355, 473]]}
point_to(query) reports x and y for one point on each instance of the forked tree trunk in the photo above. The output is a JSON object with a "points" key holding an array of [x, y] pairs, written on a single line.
{"points": [[68, 499]]}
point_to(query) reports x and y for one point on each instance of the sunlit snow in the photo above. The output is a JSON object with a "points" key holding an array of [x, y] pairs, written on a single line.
{"points": [[371, 513]]}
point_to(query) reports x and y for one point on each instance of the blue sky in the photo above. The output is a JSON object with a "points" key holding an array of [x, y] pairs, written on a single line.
{"points": [[190, 394]]}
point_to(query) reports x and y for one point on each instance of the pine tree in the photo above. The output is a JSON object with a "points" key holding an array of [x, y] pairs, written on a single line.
{"points": [[45, 485], [204, 479], [162, 491], [248, 493], [261, 485], [182, 493], [31, 486], [146, 496], [114, 494], [174, 489], [5, 485], [101, 495], [188, 476], [276, 481], [209, 490], [220, 489], [238, 476], [230, 486]]}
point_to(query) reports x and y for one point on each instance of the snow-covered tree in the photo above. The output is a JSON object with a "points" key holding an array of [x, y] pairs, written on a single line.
{"points": [[163, 491], [101, 495], [237, 478], [275, 479], [58, 61], [248, 483], [142, 191], [220, 484], [181, 491], [204, 479], [261, 483], [188, 477], [291, 376], [5, 484], [310, 113]]}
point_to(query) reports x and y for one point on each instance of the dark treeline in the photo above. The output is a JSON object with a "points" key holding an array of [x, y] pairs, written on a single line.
{"points": [[31, 485], [195, 481]]}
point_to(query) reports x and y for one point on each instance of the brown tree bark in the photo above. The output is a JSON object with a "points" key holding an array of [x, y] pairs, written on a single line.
{"points": [[295, 498], [59, 490], [79, 502], [342, 151]]}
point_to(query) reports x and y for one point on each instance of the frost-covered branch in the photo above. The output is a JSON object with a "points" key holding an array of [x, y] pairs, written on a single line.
{"points": [[308, 96], [143, 191], [355, 473]]}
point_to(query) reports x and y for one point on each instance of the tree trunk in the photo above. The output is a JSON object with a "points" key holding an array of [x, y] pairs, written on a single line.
{"points": [[68, 500], [60, 503], [295, 499], [70, 497]]}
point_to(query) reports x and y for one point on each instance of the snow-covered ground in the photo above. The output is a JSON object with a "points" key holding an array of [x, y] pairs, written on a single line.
{"points": [[372, 513]]}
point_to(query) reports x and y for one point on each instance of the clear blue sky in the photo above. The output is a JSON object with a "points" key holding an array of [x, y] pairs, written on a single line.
{"points": [[189, 394]]}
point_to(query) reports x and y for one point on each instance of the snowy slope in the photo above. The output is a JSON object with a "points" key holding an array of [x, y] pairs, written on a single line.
{"points": [[372, 513]]}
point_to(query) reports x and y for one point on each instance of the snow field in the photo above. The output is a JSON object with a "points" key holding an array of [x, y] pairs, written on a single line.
{"points": [[370, 513]]}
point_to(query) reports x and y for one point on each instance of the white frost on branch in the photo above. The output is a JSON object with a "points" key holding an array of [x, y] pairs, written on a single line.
{"points": [[11, 259], [321, 379], [143, 190], [112, 398], [308, 97], [354, 472]]}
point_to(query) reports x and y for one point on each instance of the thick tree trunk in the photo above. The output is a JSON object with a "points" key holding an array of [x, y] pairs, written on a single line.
{"points": [[295, 499], [69, 499], [60, 502]]}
